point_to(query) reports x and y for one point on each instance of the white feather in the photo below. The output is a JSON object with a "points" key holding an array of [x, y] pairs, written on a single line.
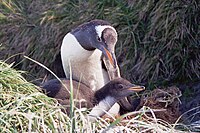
{"points": [[101, 108], [101, 28], [86, 65]]}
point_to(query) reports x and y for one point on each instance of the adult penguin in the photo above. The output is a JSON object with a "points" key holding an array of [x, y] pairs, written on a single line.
{"points": [[83, 48]]}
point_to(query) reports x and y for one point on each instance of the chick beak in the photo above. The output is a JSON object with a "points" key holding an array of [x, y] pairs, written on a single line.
{"points": [[136, 88]]}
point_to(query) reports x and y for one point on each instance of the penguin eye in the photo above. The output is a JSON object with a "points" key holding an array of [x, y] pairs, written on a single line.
{"points": [[99, 39], [120, 86]]}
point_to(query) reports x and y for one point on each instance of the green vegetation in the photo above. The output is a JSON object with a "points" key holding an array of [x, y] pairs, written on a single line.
{"points": [[158, 40], [23, 108]]}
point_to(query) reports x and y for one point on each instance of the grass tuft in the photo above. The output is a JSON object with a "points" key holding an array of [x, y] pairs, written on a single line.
{"points": [[23, 108]]}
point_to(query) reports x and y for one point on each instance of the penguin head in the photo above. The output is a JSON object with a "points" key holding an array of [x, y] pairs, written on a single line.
{"points": [[118, 89], [97, 34]]}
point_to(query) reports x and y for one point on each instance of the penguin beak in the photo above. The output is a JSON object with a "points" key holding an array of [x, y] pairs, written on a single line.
{"points": [[110, 56], [136, 88]]}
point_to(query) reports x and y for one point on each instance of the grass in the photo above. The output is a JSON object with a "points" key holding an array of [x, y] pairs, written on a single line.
{"points": [[158, 40], [24, 109]]}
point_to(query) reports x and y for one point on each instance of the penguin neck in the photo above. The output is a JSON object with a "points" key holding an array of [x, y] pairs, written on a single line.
{"points": [[86, 65], [102, 102], [101, 107]]}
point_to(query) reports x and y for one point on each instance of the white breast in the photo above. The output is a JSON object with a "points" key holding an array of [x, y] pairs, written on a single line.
{"points": [[86, 65], [101, 108]]}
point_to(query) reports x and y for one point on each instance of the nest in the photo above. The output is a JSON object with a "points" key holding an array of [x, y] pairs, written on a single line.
{"points": [[166, 100]]}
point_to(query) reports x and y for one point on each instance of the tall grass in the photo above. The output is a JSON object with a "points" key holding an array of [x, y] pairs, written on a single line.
{"points": [[164, 44], [23, 108], [158, 40]]}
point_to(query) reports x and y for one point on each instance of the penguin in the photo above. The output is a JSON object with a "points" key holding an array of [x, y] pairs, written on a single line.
{"points": [[100, 101], [82, 50]]}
